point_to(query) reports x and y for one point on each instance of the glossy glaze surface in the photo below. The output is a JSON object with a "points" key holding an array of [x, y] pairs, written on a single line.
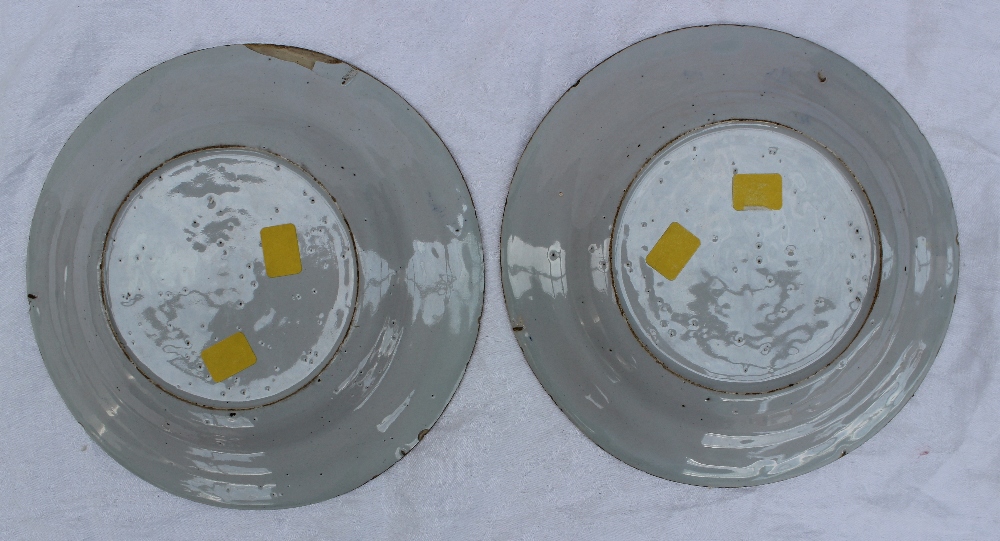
{"points": [[409, 270], [184, 268], [772, 294], [576, 280]]}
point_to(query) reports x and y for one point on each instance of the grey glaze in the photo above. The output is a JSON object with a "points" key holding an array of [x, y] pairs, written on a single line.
{"points": [[370, 340], [184, 269], [862, 256], [771, 296]]}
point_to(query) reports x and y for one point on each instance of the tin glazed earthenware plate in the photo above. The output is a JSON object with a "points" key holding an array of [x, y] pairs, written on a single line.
{"points": [[729, 255], [255, 276]]}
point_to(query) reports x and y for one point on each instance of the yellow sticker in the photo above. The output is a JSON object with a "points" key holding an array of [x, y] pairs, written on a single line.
{"points": [[228, 357], [757, 191], [672, 251], [281, 250]]}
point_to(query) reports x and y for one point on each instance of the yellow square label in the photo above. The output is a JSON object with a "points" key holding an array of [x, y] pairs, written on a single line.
{"points": [[673, 251], [757, 191], [228, 357], [281, 250]]}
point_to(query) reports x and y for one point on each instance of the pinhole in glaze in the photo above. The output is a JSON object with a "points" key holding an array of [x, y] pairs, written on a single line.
{"points": [[255, 276], [729, 255]]}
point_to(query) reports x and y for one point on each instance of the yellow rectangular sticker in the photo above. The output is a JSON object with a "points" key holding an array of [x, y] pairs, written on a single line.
{"points": [[281, 250], [228, 357], [673, 251], [757, 191]]}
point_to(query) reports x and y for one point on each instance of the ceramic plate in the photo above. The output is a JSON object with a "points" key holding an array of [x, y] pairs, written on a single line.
{"points": [[255, 276], [729, 255]]}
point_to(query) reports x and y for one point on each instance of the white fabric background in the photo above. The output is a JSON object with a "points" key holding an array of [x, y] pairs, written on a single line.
{"points": [[503, 462]]}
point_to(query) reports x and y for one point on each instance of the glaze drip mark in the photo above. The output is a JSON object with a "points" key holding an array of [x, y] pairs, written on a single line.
{"points": [[348, 77]]}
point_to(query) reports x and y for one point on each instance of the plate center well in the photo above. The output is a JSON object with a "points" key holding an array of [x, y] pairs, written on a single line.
{"points": [[745, 257], [229, 277]]}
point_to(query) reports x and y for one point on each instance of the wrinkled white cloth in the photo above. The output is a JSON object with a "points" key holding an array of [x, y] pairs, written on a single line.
{"points": [[503, 462]]}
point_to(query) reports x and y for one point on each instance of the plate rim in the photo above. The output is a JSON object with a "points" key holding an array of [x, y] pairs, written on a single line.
{"points": [[478, 279], [814, 465]]}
